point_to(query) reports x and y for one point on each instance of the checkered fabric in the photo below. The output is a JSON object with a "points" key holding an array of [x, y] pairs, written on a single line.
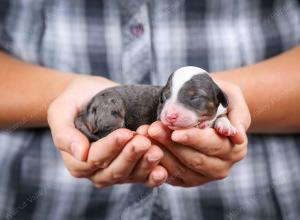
{"points": [[143, 41]]}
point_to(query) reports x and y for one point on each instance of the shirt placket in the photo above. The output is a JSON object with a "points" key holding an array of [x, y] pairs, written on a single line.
{"points": [[136, 42]]}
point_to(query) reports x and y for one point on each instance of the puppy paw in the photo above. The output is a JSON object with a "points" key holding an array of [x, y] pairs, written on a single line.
{"points": [[223, 127]]}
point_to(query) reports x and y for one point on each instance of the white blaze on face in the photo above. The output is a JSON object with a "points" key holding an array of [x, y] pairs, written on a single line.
{"points": [[186, 117], [181, 76]]}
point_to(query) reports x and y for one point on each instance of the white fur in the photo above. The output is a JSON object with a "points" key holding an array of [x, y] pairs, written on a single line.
{"points": [[223, 126], [181, 76], [220, 111]]}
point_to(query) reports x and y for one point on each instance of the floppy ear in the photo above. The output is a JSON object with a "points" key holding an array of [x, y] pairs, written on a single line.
{"points": [[222, 97], [82, 126]]}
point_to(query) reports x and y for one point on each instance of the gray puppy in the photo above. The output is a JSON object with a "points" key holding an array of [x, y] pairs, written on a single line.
{"points": [[127, 106], [189, 99]]}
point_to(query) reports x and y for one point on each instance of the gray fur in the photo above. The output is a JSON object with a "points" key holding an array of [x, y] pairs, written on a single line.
{"points": [[206, 98], [130, 106], [118, 107]]}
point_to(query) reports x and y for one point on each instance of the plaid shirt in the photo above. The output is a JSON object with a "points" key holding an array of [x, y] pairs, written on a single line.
{"points": [[143, 41]]}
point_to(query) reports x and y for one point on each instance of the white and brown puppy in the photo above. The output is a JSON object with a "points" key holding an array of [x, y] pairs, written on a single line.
{"points": [[189, 99], [192, 99]]}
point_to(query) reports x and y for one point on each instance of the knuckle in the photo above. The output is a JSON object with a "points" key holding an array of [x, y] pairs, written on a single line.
{"points": [[215, 149], [116, 176], [99, 164], [60, 140], [197, 163]]}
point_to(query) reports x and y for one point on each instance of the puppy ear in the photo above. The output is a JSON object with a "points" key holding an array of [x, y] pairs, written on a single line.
{"points": [[80, 124], [222, 97]]}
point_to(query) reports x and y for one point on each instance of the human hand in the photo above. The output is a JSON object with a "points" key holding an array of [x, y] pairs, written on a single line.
{"points": [[120, 157], [196, 156]]}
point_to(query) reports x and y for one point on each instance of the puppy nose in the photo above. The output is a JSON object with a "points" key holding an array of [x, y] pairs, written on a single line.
{"points": [[171, 117]]}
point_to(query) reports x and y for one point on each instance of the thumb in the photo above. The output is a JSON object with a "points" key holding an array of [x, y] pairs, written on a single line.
{"points": [[238, 115], [240, 136], [65, 136]]}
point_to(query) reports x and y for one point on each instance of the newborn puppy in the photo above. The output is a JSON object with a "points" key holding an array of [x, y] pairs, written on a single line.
{"points": [[127, 106], [190, 99]]}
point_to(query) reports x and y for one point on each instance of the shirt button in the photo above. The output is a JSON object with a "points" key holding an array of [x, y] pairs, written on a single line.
{"points": [[137, 30]]}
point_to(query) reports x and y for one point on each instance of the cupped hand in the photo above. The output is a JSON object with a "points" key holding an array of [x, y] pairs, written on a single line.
{"points": [[120, 157], [196, 156]]}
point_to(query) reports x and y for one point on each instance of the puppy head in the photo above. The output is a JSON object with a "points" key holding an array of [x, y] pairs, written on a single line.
{"points": [[104, 114], [190, 97]]}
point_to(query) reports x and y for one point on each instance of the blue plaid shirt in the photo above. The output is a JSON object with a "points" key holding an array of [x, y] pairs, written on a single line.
{"points": [[143, 41]]}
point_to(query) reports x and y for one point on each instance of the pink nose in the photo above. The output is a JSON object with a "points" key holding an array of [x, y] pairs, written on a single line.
{"points": [[172, 117]]}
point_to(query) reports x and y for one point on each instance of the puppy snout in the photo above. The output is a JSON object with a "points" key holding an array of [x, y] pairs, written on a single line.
{"points": [[172, 117]]}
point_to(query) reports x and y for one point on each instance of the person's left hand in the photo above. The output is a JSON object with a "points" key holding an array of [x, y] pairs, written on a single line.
{"points": [[196, 156]]}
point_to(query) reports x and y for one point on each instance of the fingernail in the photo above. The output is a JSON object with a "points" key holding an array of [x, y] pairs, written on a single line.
{"points": [[158, 176], [76, 150]]}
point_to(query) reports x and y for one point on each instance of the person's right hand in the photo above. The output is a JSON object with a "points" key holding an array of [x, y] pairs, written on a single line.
{"points": [[120, 157]]}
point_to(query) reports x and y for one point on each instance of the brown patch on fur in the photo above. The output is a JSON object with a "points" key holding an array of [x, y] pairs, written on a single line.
{"points": [[191, 92], [210, 108]]}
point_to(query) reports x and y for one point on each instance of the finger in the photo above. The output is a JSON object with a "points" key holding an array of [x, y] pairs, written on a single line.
{"points": [[238, 114], [209, 166], [103, 151], [143, 130], [240, 136], [121, 167], [77, 168], [159, 132], [66, 137], [157, 177], [150, 160], [178, 173], [203, 140]]}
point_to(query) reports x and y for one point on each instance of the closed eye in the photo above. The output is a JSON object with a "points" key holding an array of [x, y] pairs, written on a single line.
{"points": [[163, 97], [106, 128], [195, 98]]}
